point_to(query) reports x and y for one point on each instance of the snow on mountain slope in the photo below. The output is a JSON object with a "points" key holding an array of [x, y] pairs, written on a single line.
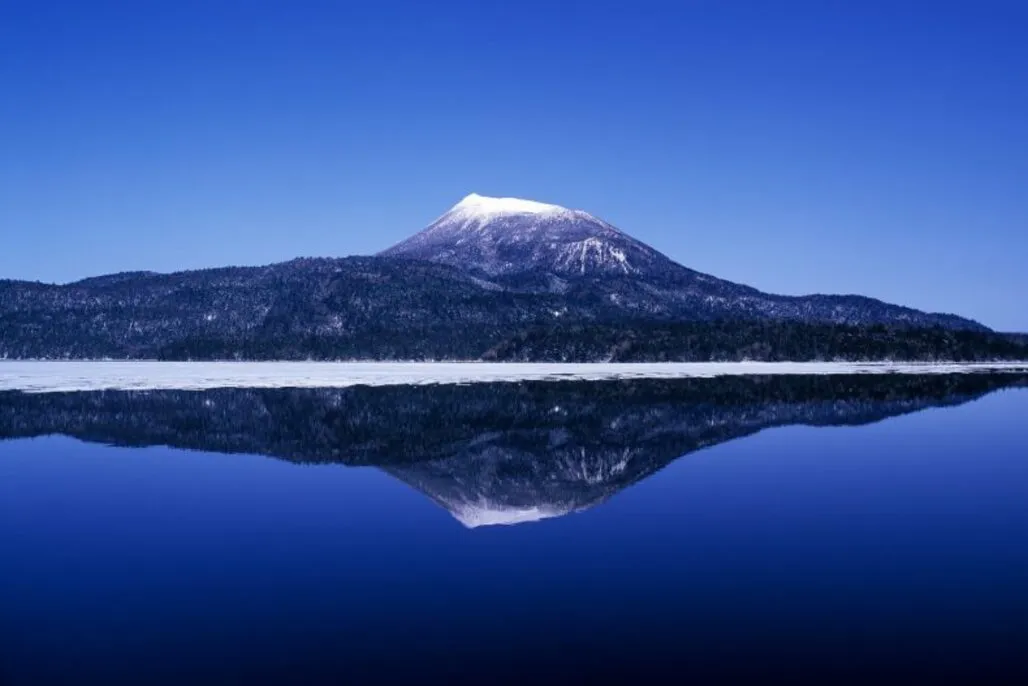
{"points": [[489, 271], [475, 206], [540, 247], [510, 235]]}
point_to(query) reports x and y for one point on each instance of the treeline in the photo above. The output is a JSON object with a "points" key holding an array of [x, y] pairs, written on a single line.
{"points": [[644, 341], [631, 342], [758, 341], [372, 343]]}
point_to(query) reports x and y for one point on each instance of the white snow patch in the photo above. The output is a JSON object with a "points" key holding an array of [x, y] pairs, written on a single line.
{"points": [[482, 205], [61, 376], [483, 514]]}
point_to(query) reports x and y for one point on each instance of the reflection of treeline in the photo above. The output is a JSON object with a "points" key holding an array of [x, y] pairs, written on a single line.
{"points": [[397, 424], [633, 342], [764, 341]]}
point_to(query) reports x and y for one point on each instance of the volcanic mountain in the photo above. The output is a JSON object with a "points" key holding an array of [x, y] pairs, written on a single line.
{"points": [[528, 245], [492, 278], [509, 235]]}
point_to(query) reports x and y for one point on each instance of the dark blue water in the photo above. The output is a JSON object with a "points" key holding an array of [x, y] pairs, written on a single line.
{"points": [[894, 547]]}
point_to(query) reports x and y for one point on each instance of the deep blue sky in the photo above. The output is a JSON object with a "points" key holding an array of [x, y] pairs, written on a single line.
{"points": [[871, 147]]}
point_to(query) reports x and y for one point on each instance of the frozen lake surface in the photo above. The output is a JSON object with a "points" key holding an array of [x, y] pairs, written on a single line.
{"points": [[62, 376]]}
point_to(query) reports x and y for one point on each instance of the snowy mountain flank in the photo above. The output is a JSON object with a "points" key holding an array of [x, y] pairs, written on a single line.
{"points": [[492, 278], [510, 235], [561, 250]]}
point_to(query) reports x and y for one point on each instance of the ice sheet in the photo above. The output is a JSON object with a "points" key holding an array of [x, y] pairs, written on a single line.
{"points": [[51, 376]]}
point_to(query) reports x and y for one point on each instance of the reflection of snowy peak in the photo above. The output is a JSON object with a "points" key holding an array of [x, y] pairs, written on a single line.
{"points": [[506, 481], [509, 235], [474, 515], [528, 475], [489, 454]]}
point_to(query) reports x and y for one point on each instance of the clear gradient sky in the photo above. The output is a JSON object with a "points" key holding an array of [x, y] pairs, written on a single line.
{"points": [[876, 147]]}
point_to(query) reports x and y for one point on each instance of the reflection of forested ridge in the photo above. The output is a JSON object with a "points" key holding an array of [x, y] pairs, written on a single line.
{"points": [[400, 424], [489, 452], [387, 425]]}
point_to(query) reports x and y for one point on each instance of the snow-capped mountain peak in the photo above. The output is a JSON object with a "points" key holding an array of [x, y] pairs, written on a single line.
{"points": [[485, 206], [532, 246], [511, 235]]}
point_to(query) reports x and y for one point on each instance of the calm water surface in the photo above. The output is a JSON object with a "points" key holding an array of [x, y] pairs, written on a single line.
{"points": [[841, 527]]}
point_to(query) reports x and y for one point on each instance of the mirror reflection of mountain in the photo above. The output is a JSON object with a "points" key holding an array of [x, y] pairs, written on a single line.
{"points": [[489, 453]]}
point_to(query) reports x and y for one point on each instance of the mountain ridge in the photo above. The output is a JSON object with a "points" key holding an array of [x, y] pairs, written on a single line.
{"points": [[486, 272], [508, 237]]}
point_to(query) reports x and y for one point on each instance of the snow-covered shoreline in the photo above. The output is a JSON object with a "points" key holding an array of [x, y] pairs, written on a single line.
{"points": [[63, 376]]}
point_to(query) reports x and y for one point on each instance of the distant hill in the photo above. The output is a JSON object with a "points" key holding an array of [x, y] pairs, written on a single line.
{"points": [[493, 277], [527, 245], [771, 341]]}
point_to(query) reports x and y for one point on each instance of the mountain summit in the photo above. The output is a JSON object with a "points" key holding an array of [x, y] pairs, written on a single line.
{"points": [[510, 235], [525, 245], [493, 278]]}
